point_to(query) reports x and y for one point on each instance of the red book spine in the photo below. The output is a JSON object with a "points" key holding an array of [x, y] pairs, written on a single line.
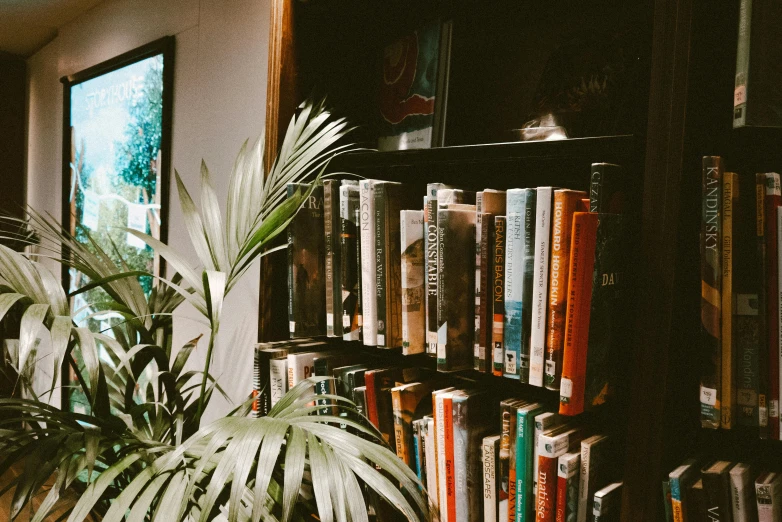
{"points": [[369, 381], [772, 201], [561, 498], [582, 260], [547, 489], [450, 471]]}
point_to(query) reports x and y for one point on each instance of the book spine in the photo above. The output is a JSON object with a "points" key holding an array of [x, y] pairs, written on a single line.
{"points": [[490, 460], [359, 278], [512, 478], [676, 500], [542, 423], [525, 435], [769, 501], [418, 451], [748, 335], [455, 291], [368, 266], [728, 392], [711, 239], [742, 65], [565, 202], [400, 435], [606, 189], [482, 236], [584, 489], [777, 354], [278, 378], [394, 206], [256, 385], [741, 494], [349, 256], [307, 286], [514, 281], [431, 461], [763, 371], [321, 368], [773, 200], [567, 487], [381, 268], [440, 427], [540, 282], [498, 292], [332, 258], [430, 242], [607, 283], [460, 457], [503, 475], [712, 487], [529, 282], [448, 492], [582, 249], [413, 290], [545, 501]]}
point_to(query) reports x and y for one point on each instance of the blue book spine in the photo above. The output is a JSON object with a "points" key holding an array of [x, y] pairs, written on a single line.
{"points": [[514, 259], [527, 283], [525, 436], [417, 453]]}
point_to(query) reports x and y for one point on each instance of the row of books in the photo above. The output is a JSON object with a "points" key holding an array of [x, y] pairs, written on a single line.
{"points": [[524, 284], [741, 297], [516, 461], [721, 490]]}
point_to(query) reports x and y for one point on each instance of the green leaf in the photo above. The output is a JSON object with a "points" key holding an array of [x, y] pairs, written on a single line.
{"points": [[294, 470], [213, 225], [321, 479], [95, 490], [194, 225], [61, 336], [32, 321]]}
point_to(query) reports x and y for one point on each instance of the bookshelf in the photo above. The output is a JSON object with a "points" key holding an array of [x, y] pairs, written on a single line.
{"points": [[675, 112]]}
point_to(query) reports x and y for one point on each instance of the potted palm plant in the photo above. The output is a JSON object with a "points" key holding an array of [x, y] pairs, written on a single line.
{"points": [[153, 459]]}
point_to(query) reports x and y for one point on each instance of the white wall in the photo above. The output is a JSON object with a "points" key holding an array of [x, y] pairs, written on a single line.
{"points": [[219, 101]]}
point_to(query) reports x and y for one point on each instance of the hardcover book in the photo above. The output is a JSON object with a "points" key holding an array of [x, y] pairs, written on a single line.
{"points": [[410, 401], [757, 101], [607, 503], [696, 503], [768, 490], [301, 366], [470, 424], [607, 189], [498, 291], [716, 486], [525, 438], [437, 195], [408, 89], [568, 466], [741, 493], [443, 408], [456, 287], [491, 461], [593, 475], [350, 269], [539, 284], [516, 359], [332, 228], [543, 423], [507, 443], [492, 204], [368, 262], [582, 255], [438, 411], [413, 290], [711, 288], [728, 393], [565, 204], [681, 479], [264, 352], [306, 266], [278, 378], [431, 458], [551, 446]]}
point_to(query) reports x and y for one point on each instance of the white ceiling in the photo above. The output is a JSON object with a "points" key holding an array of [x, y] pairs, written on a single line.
{"points": [[28, 25]]}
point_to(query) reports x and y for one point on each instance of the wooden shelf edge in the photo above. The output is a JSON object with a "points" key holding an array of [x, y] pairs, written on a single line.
{"points": [[614, 146]]}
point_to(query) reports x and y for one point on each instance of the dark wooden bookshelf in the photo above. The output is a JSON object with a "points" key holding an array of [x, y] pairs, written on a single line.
{"points": [[678, 108]]}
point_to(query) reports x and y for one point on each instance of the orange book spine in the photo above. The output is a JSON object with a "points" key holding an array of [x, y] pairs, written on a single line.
{"points": [[547, 487], [450, 472], [402, 451], [561, 498], [582, 260], [565, 205]]}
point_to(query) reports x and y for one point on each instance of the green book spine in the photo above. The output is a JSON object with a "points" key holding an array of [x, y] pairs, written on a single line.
{"points": [[525, 435]]}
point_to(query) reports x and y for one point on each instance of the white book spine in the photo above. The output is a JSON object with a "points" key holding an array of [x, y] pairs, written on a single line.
{"points": [[368, 262], [540, 285], [740, 492], [301, 366], [413, 285], [278, 378], [489, 480], [769, 500], [431, 461], [583, 483]]}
